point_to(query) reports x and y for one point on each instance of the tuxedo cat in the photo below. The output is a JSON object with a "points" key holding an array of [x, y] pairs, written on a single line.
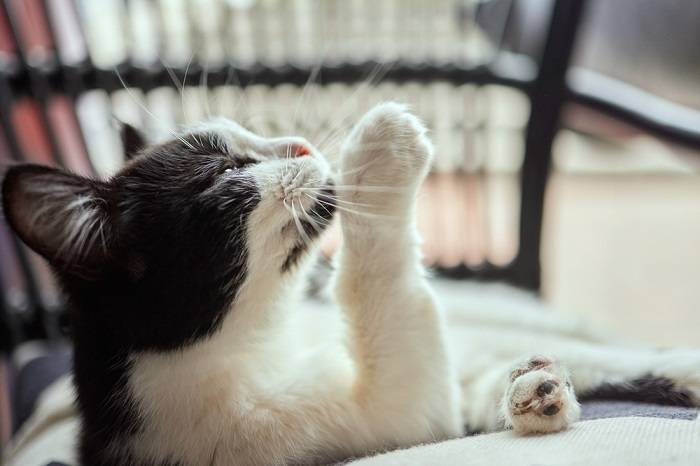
{"points": [[185, 273]]}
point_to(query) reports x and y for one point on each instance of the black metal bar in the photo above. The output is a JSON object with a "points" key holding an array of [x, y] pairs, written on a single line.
{"points": [[7, 338], [548, 94], [30, 317], [483, 272], [8, 131], [11, 323], [513, 70], [635, 107], [508, 71], [9, 333], [6, 102]]}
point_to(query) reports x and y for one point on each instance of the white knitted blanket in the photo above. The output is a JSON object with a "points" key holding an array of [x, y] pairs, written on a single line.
{"points": [[617, 441]]}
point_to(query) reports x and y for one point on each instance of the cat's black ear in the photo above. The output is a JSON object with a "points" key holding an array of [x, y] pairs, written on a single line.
{"points": [[63, 217], [132, 140]]}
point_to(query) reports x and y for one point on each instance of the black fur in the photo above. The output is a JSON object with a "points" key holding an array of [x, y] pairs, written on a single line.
{"points": [[165, 208], [174, 256], [646, 389]]}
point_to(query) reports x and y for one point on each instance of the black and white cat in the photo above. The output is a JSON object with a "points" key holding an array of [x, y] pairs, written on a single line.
{"points": [[185, 272]]}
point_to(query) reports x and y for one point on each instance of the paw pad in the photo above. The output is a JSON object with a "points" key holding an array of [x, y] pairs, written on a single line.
{"points": [[546, 388]]}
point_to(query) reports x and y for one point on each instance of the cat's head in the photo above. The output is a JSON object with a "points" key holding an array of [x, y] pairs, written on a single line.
{"points": [[167, 243]]}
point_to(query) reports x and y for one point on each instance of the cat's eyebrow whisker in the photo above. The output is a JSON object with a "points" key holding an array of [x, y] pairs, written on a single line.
{"points": [[182, 89], [242, 96], [336, 127], [172, 75], [203, 84], [372, 79], [304, 90], [149, 113]]}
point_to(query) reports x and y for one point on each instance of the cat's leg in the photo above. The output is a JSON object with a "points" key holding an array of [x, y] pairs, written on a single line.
{"points": [[600, 371], [404, 375], [621, 372], [669, 376], [532, 395]]}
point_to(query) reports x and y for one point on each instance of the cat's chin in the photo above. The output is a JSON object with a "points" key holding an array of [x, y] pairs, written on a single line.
{"points": [[300, 232]]}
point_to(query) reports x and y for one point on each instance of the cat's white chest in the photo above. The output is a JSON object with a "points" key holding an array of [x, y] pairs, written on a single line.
{"points": [[196, 403], [185, 402]]}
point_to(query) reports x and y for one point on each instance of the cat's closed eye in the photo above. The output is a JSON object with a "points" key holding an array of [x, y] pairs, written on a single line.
{"points": [[236, 165], [242, 162]]}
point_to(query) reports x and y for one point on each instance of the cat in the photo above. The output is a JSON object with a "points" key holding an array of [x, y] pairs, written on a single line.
{"points": [[184, 272]]}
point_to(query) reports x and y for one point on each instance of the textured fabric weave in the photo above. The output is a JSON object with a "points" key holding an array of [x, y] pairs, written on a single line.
{"points": [[620, 441]]}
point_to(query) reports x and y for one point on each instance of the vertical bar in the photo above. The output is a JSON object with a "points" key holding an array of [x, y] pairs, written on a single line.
{"points": [[38, 87], [548, 94], [71, 84], [32, 63], [15, 153], [6, 102]]}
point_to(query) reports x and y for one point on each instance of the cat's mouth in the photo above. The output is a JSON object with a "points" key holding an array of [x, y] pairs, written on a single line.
{"points": [[308, 228]]}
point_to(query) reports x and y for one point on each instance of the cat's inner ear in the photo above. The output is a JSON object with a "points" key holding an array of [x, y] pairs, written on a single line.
{"points": [[61, 216], [132, 140]]}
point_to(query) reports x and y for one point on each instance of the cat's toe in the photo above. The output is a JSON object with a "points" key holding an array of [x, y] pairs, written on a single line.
{"points": [[540, 398]]}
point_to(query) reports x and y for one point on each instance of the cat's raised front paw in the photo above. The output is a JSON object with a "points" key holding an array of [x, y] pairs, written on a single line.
{"points": [[540, 398], [389, 149]]}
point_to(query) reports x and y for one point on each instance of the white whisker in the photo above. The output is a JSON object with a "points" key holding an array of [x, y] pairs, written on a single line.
{"points": [[182, 89], [299, 226], [148, 112]]}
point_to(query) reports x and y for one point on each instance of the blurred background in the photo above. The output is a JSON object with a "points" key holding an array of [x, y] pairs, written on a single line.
{"points": [[566, 132]]}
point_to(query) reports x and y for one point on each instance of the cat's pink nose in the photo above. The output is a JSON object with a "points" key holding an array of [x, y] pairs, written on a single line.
{"points": [[300, 150]]}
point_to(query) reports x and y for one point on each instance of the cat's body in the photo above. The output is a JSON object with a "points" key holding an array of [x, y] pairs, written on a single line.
{"points": [[190, 347]]}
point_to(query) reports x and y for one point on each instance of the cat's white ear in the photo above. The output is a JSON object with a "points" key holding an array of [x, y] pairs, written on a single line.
{"points": [[61, 216], [132, 140]]}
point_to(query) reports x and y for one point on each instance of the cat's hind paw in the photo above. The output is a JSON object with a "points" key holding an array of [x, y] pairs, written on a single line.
{"points": [[539, 398]]}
